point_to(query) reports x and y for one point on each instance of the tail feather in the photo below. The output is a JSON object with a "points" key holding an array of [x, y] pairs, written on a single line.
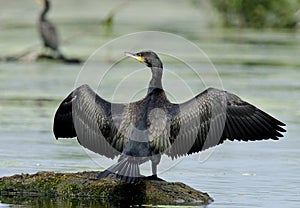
{"points": [[104, 174], [126, 170]]}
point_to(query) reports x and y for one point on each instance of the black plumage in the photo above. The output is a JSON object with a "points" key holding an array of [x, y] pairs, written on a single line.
{"points": [[47, 30], [146, 129]]}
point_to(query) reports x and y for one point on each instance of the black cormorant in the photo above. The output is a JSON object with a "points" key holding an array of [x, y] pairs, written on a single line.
{"points": [[144, 130], [47, 30]]}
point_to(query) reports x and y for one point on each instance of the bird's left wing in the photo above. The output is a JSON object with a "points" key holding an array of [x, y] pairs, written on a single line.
{"points": [[94, 121], [214, 116]]}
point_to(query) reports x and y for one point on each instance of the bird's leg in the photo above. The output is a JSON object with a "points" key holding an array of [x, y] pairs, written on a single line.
{"points": [[154, 168], [154, 160]]}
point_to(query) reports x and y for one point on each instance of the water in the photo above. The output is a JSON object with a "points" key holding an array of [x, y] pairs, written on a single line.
{"points": [[257, 174]]}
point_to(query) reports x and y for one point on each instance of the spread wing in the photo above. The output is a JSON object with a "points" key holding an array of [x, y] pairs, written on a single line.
{"points": [[214, 116], [93, 120]]}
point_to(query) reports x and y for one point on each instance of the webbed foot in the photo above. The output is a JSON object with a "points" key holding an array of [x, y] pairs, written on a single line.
{"points": [[153, 177]]}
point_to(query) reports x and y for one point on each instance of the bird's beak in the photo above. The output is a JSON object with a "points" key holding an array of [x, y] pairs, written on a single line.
{"points": [[40, 1], [132, 55]]}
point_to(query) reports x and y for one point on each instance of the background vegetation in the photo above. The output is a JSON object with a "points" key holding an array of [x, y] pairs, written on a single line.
{"points": [[259, 13]]}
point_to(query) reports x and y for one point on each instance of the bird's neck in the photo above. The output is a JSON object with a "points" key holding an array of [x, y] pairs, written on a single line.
{"points": [[155, 81], [45, 10]]}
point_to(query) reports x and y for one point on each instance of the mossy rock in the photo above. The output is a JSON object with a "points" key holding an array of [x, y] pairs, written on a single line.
{"points": [[73, 186]]}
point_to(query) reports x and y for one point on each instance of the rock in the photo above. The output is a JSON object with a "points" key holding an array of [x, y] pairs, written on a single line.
{"points": [[45, 57], [83, 185]]}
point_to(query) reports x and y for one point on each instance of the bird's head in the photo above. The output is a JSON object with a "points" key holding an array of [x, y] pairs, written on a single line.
{"points": [[149, 58]]}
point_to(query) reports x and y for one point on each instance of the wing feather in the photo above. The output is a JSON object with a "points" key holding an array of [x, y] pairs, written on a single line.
{"points": [[214, 116], [93, 120]]}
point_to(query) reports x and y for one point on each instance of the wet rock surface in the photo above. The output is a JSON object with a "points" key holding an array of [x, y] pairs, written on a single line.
{"points": [[83, 185]]}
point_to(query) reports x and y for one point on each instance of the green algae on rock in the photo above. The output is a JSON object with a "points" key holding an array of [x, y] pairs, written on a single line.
{"points": [[83, 185]]}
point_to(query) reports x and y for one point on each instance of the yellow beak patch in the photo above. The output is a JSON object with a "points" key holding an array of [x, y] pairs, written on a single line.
{"points": [[139, 58], [132, 55], [40, 1]]}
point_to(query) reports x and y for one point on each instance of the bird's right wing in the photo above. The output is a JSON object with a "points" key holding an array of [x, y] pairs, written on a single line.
{"points": [[89, 117]]}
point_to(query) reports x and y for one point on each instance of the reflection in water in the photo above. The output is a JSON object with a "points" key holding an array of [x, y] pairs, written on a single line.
{"points": [[40, 202], [44, 202]]}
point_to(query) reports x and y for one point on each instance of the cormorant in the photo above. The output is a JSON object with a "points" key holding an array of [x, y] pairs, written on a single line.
{"points": [[146, 129], [47, 30]]}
